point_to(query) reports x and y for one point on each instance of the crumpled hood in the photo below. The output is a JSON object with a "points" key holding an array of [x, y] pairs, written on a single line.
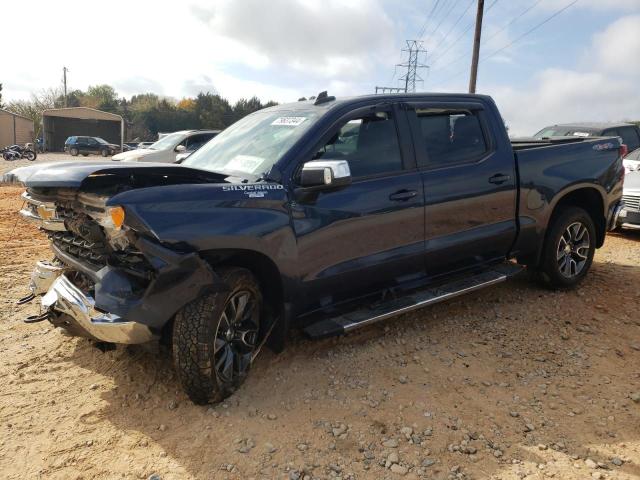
{"points": [[137, 153], [72, 174]]}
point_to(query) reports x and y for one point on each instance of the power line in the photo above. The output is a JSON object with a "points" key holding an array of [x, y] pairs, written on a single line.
{"points": [[467, 28], [453, 5], [527, 10], [454, 25], [531, 30], [426, 21]]}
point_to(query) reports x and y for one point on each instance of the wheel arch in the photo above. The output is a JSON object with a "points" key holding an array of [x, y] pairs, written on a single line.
{"points": [[270, 280], [590, 199]]}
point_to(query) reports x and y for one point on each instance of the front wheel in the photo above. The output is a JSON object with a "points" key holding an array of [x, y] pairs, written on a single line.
{"points": [[569, 248], [216, 336], [74, 152], [30, 155], [104, 153]]}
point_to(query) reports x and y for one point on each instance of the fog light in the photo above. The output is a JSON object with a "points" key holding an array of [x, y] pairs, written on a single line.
{"points": [[117, 216]]}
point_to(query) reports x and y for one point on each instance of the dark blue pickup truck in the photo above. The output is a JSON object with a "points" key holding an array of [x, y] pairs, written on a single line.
{"points": [[325, 215]]}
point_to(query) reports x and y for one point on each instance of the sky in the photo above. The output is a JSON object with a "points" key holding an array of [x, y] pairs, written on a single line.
{"points": [[581, 65]]}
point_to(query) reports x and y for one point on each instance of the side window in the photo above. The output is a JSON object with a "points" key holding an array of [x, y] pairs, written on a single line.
{"points": [[91, 141], [450, 137], [369, 143], [196, 141], [630, 137]]}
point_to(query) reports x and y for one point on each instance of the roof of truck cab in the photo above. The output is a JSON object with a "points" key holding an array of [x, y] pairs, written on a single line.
{"points": [[345, 101]]}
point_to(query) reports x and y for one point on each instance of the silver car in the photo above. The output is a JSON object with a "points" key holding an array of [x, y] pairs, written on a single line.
{"points": [[629, 216]]}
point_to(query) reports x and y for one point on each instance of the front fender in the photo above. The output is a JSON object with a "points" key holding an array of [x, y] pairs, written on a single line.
{"points": [[206, 217]]}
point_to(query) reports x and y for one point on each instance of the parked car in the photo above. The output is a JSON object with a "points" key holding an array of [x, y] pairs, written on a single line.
{"points": [[629, 132], [192, 147], [130, 146], [165, 149], [78, 145], [632, 161], [325, 215], [630, 214]]}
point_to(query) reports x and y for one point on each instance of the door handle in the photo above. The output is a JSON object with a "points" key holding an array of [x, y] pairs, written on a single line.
{"points": [[403, 195], [499, 178]]}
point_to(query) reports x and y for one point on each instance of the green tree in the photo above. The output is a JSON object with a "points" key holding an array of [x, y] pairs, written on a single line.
{"points": [[102, 97]]}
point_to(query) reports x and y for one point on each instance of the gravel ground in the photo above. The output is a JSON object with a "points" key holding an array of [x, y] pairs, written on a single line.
{"points": [[5, 166], [511, 382]]}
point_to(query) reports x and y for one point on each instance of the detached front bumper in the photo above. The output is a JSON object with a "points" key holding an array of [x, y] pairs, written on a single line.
{"points": [[76, 311], [116, 310]]}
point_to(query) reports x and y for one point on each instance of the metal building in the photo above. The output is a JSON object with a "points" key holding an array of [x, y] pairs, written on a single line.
{"points": [[15, 129], [58, 124]]}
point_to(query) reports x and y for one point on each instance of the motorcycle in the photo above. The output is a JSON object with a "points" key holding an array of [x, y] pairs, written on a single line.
{"points": [[16, 152]]}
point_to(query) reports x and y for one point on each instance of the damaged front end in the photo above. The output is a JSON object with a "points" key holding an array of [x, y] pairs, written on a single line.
{"points": [[106, 281]]}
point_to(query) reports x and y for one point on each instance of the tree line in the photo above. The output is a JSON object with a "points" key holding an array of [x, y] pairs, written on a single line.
{"points": [[146, 114]]}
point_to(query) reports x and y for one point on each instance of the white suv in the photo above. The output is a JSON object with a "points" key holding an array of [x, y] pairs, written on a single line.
{"points": [[165, 149]]}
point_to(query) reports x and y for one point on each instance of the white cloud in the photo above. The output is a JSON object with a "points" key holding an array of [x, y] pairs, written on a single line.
{"points": [[617, 48], [604, 87], [328, 38]]}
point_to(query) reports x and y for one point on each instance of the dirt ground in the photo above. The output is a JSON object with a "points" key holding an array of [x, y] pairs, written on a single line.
{"points": [[508, 383]]}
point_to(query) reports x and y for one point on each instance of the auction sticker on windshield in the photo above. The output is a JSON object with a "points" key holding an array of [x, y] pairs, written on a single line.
{"points": [[244, 163], [288, 121]]}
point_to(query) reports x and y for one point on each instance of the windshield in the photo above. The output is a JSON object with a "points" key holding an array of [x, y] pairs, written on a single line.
{"points": [[563, 132], [254, 144], [99, 140], [168, 142]]}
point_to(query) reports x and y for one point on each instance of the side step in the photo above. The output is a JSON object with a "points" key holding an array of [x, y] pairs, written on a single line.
{"points": [[381, 311]]}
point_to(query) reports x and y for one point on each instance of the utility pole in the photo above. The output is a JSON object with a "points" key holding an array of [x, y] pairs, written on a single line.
{"points": [[64, 82], [414, 50], [476, 48]]}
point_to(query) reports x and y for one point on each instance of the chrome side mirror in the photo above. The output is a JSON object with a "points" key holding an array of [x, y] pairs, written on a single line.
{"points": [[325, 174]]}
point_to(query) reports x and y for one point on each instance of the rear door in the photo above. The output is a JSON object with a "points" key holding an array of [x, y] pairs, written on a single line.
{"points": [[369, 235], [469, 185], [82, 145]]}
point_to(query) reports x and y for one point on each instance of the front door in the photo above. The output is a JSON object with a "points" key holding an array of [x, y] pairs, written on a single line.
{"points": [[369, 235], [469, 183]]}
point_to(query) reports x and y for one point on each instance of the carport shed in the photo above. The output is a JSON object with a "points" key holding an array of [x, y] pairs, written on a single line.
{"points": [[58, 124], [15, 129]]}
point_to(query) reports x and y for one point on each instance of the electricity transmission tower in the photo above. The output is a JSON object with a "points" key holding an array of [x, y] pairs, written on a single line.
{"points": [[414, 50]]}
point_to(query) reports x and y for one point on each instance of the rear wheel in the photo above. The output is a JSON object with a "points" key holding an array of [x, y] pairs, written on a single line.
{"points": [[569, 248], [215, 337]]}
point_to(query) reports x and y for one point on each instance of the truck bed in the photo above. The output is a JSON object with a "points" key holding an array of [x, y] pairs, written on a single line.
{"points": [[525, 143]]}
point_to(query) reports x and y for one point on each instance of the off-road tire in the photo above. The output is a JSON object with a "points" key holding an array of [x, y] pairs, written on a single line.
{"points": [[549, 271], [194, 334], [73, 152]]}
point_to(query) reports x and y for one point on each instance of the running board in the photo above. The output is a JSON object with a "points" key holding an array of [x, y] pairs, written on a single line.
{"points": [[381, 311]]}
